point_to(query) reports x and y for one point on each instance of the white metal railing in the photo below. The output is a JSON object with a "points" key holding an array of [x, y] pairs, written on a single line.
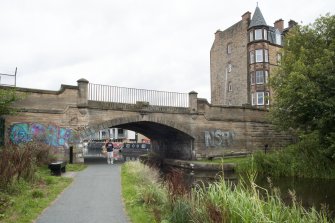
{"points": [[105, 93]]}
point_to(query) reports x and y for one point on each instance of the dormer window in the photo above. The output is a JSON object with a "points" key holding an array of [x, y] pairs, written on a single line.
{"points": [[251, 36], [258, 34], [265, 34], [278, 37]]}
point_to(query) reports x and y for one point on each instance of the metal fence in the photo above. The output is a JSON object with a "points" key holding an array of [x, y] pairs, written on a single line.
{"points": [[107, 93], [8, 79]]}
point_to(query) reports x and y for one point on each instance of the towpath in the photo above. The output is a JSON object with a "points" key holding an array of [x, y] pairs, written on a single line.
{"points": [[94, 196]]}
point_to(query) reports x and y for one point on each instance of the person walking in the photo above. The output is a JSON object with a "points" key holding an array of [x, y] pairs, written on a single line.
{"points": [[110, 148]]}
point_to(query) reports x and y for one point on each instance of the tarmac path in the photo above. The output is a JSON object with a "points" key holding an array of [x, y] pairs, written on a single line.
{"points": [[93, 197]]}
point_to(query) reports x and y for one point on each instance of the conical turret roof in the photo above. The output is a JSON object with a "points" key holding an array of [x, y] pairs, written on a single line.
{"points": [[257, 19]]}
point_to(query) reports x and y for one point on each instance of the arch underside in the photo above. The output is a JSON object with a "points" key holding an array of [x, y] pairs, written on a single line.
{"points": [[166, 137]]}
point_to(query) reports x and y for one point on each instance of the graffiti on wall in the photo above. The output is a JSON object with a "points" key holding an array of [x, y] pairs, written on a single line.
{"points": [[219, 138], [52, 135]]}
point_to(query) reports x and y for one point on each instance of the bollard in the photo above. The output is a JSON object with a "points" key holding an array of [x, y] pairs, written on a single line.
{"points": [[71, 154]]}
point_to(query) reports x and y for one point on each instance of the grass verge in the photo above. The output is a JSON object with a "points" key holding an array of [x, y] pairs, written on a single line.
{"points": [[76, 167], [23, 202], [134, 179]]}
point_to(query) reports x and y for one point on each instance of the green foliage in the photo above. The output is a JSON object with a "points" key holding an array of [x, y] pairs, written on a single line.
{"points": [[135, 178], [37, 193], [19, 162], [300, 160], [216, 202], [24, 201], [304, 84], [181, 211], [7, 97], [16, 164]]}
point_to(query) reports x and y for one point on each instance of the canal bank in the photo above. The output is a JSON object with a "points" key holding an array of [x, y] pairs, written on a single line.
{"points": [[315, 193], [201, 166], [238, 203]]}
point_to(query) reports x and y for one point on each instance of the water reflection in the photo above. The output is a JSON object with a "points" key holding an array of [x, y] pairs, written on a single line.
{"points": [[319, 193], [310, 192]]}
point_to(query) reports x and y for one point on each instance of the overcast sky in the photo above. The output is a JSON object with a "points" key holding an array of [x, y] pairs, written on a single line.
{"points": [[150, 44]]}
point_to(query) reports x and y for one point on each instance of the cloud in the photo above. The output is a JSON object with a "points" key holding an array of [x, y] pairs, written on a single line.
{"points": [[161, 45]]}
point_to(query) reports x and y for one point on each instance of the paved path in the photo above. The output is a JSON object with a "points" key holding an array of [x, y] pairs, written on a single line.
{"points": [[94, 196]]}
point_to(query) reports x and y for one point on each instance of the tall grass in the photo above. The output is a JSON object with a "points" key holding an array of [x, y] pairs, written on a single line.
{"points": [[144, 196], [216, 202], [20, 162]]}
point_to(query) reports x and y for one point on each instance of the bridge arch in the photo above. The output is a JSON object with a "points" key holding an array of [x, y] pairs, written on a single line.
{"points": [[169, 139]]}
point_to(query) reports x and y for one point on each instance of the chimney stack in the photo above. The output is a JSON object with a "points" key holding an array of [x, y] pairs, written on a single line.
{"points": [[246, 16], [279, 24]]}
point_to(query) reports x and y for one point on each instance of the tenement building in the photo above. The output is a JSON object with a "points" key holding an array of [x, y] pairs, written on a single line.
{"points": [[242, 59]]}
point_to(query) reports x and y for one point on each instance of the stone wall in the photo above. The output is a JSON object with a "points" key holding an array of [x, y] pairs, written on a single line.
{"points": [[230, 67]]}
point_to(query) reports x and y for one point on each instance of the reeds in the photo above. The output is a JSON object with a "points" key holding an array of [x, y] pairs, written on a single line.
{"points": [[223, 202]]}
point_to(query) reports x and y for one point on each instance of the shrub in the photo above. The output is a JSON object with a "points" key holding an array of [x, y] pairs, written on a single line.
{"points": [[19, 162], [303, 159], [15, 164]]}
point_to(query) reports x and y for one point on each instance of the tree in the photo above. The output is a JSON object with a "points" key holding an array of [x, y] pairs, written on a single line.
{"points": [[304, 84], [7, 97]]}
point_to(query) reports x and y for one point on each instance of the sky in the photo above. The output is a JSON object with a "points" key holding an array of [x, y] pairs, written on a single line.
{"points": [[147, 44]]}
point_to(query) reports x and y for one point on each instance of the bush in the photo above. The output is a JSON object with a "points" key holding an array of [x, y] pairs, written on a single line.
{"points": [[18, 162], [303, 159]]}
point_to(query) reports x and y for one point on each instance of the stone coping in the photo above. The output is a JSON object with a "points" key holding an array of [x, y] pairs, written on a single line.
{"points": [[194, 165]]}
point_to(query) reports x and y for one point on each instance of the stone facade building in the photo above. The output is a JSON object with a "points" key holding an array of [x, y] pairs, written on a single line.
{"points": [[242, 59]]}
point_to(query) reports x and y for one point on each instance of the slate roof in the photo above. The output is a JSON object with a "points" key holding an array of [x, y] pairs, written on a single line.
{"points": [[257, 19]]}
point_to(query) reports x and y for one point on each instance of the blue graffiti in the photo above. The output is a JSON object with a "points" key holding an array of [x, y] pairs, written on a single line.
{"points": [[51, 134]]}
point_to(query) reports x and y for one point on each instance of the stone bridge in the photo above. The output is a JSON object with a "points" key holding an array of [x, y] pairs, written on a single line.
{"points": [[180, 126]]}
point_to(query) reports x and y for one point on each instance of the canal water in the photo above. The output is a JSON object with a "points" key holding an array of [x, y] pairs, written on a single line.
{"points": [[319, 193]]}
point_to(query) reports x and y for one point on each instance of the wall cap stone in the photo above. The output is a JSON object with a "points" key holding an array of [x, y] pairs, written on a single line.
{"points": [[31, 90], [83, 80]]}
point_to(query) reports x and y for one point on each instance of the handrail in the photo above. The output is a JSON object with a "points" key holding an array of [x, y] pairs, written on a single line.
{"points": [[106, 93]]}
